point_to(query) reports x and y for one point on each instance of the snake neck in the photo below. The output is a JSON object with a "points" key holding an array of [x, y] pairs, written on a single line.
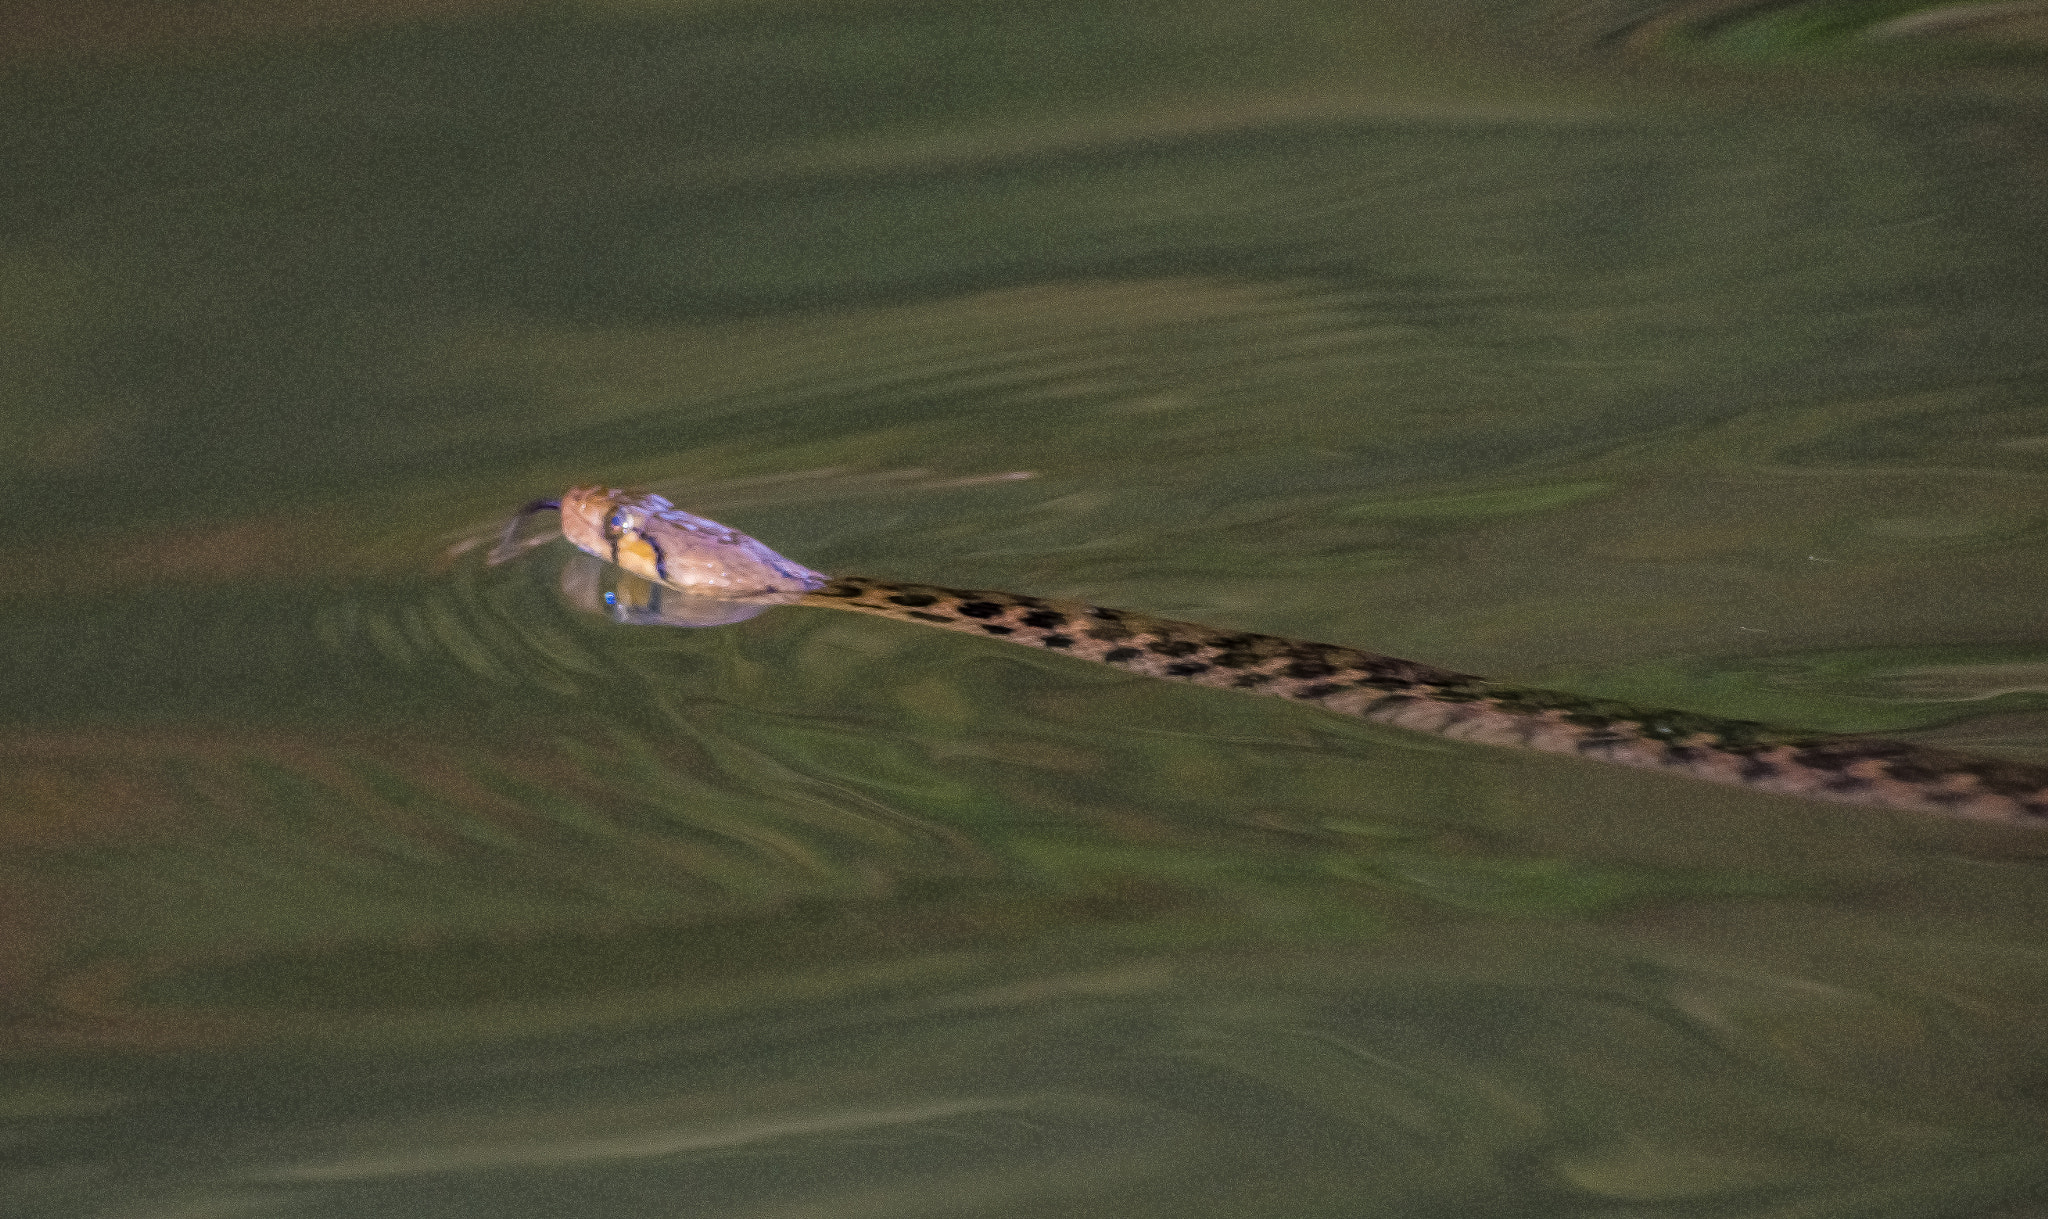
{"points": [[1423, 698]]}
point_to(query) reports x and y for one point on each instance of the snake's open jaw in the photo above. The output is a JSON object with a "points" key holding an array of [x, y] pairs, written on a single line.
{"points": [[659, 542]]}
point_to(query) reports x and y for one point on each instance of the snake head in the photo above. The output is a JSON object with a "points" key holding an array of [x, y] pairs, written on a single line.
{"points": [[659, 542]]}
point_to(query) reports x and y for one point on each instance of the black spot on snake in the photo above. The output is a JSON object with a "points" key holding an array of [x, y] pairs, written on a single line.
{"points": [[1911, 772], [1386, 683], [2005, 780], [1822, 759]]}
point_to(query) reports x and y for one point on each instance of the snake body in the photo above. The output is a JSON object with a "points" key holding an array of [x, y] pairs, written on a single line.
{"points": [[647, 536]]}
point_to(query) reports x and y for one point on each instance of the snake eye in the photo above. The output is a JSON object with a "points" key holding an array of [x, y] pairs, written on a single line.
{"points": [[618, 523]]}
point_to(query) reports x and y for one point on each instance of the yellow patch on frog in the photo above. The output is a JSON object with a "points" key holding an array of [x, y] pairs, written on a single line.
{"points": [[637, 555]]}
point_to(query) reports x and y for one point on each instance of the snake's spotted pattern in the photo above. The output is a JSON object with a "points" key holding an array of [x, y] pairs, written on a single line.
{"points": [[649, 537], [1419, 697]]}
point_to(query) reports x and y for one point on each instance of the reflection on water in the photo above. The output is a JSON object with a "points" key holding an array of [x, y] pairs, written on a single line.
{"points": [[345, 872], [592, 585]]}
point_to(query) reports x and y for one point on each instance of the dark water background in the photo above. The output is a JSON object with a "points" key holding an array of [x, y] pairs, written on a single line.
{"points": [[1686, 353]]}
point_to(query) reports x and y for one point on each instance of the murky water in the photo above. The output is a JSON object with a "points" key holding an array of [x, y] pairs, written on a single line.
{"points": [[345, 874]]}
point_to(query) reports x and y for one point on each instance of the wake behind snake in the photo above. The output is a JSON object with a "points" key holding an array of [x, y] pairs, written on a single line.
{"points": [[715, 565]]}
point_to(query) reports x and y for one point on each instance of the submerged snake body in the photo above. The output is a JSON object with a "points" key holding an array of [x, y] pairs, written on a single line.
{"points": [[632, 530]]}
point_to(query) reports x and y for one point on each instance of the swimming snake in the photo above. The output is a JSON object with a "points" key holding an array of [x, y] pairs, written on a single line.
{"points": [[728, 576]]}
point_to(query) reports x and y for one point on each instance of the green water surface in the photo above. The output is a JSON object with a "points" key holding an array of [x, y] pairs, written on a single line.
{"points": [[346, 875]]}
